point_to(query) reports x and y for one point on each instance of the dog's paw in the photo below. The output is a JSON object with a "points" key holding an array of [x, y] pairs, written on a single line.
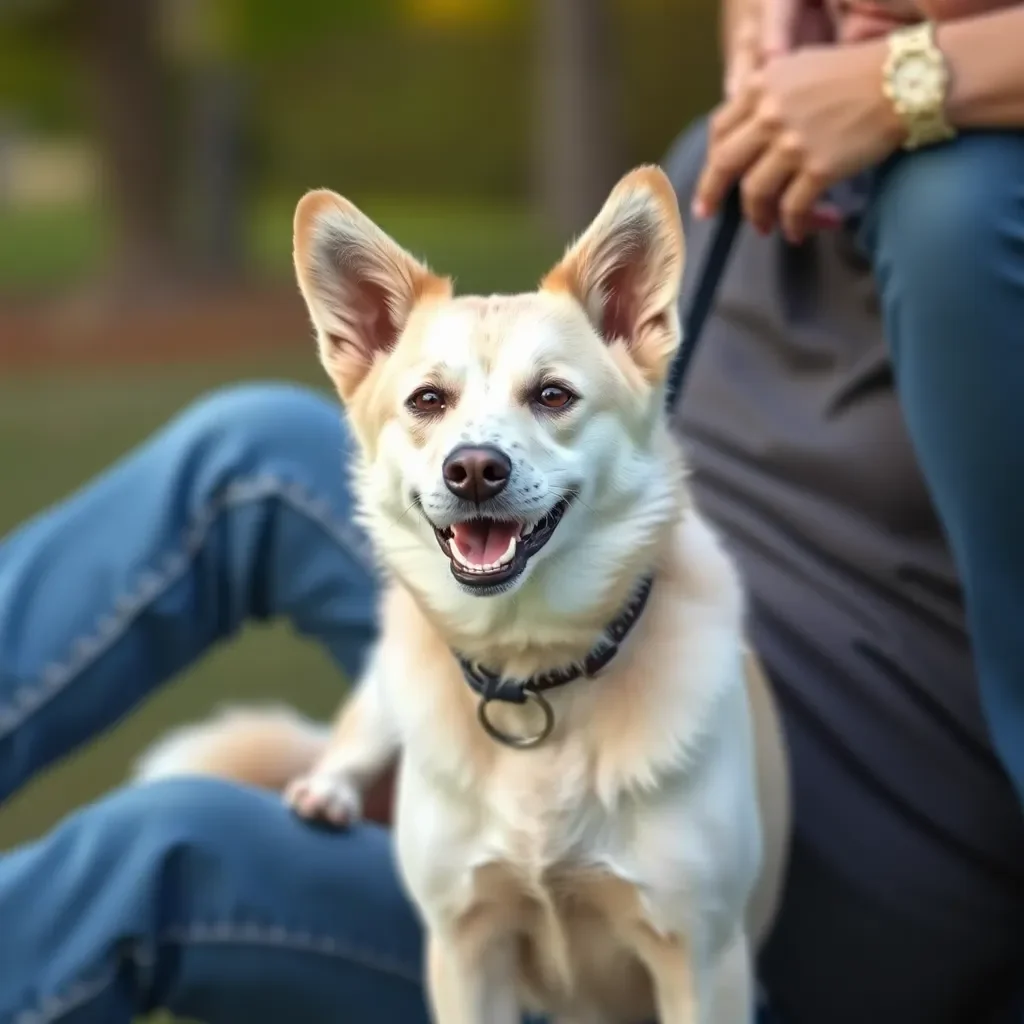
{"points": [[324, 796]]}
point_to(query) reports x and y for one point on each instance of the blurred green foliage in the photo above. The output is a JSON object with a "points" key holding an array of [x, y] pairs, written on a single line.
{"points": [[365, 97], [486, 246]]}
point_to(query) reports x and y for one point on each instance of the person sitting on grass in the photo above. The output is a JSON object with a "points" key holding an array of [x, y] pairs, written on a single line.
{"points": [[855, 405]]}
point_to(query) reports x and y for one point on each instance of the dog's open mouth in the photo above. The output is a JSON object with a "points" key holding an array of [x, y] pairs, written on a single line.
{"points": [[487, 552]]}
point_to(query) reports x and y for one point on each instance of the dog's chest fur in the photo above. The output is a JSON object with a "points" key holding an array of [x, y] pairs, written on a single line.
{"points": [[536, 857]]}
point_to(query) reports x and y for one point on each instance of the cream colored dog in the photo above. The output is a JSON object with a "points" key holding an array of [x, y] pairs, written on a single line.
{"points": [[561, 661]]}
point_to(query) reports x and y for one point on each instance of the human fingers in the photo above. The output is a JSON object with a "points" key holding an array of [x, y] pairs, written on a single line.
{"points": [[763, 185], [728, 159], [797, 215]]}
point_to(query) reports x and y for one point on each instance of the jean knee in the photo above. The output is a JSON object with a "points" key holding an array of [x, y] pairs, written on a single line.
{"points": [[203, 817], [141, 860], [264, 439], [197, 849], [236, 859], [267, 418], [161, 889], [945, 221]]}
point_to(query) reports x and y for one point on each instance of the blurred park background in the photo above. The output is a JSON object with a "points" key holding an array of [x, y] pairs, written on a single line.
{"points": [[151, 153]]}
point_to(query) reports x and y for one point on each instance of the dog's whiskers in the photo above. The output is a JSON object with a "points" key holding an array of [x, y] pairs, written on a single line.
{"points": [[408, 508], [564, 493]]}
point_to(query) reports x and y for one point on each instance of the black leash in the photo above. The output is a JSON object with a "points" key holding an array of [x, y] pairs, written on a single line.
{"points": [[694, 318], [491, 686]]}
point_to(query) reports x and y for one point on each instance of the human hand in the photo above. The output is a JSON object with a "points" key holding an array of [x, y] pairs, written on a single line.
{"points": [[799, 124]]}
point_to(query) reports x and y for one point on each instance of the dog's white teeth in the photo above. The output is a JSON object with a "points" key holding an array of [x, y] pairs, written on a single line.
{"points": [[510, 553], [464, 563], [460, 557]]}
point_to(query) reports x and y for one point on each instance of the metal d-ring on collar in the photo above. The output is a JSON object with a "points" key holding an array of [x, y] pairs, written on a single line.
{"points": [[491, 687], [509, 739]]}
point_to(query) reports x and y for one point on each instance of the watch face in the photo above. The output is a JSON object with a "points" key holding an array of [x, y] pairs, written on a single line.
{"points": [[917, 81]]}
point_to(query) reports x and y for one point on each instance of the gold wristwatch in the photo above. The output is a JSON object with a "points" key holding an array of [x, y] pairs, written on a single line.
{"points": [[916, 82]]}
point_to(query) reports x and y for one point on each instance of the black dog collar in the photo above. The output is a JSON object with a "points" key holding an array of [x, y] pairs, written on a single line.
{"points": [[490, 686]]}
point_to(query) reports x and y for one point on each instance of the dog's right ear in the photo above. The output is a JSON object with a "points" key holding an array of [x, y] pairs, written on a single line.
{"points": [[626, 270], [359, 285]]}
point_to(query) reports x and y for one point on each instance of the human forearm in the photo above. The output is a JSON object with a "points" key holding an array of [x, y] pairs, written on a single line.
{"points": [[984, 54]]}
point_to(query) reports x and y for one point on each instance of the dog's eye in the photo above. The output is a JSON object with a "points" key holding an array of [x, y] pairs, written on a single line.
{"points": [[554, 396], [427, 402]]}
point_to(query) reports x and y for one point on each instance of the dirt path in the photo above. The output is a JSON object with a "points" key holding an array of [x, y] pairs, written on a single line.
{"points": [[39, 333]]}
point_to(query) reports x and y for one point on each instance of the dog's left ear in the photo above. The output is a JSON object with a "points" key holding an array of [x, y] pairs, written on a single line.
{"points": [[626, 269]]}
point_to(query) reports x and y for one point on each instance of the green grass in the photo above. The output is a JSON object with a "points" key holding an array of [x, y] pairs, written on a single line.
{"points": [[43, 248]]}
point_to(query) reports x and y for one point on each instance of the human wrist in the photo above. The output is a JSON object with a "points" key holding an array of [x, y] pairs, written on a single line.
{"points": [[986, 89], [962, 87], [889, 125]]}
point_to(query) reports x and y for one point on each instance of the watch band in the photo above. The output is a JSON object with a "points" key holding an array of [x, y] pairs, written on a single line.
{"points": [[916, 82]]}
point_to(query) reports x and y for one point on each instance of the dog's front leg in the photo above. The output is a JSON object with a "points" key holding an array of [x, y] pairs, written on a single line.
{"points": [[471, 984], [363, 743], [688, 992], [673, 972]]}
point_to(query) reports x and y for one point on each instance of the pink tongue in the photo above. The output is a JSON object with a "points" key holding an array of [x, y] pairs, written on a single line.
{"points": [[482, 541]]}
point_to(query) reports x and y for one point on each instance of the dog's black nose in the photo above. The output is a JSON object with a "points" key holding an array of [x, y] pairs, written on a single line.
{"points": [[476, 473]]}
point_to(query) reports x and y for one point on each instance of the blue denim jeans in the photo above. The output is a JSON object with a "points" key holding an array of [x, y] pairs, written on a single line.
{"points": [[210, 899], [945, 231]]}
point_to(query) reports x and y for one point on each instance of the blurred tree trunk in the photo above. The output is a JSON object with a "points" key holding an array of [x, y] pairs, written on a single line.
{"points": [[217, 186], [208, 38], [577, 152], [121, 47]]}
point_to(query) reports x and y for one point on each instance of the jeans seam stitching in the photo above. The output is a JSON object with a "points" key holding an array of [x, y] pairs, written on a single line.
{"points": [[226, 933], [87, 648], [80, 993]]}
